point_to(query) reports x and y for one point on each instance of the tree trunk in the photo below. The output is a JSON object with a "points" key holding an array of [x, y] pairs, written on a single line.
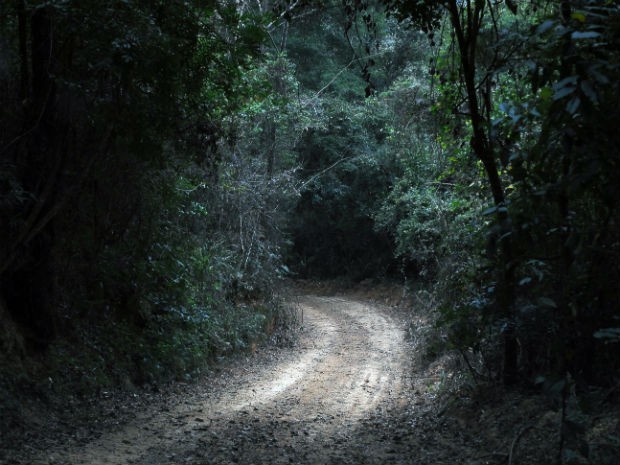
{"points": [[466, 34], [27, 274]]}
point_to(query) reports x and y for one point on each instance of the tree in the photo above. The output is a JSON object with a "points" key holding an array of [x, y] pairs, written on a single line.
{"points": [[126, 94], [524, 112], [467, 21]]}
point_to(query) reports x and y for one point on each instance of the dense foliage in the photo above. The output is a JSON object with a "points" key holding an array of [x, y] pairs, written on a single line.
{"points": [[557, 225], [139, 201], [521, 221], [164, 164]]}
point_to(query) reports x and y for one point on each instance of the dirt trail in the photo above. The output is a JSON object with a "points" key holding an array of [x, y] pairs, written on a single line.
{"points": [[305, 407], [348, 393]]}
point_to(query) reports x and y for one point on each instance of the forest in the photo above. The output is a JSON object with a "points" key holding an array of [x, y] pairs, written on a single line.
{"points": [[169, 170]]}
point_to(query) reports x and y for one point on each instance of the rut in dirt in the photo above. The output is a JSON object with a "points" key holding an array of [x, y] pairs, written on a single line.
{"points": [[307, 408]]}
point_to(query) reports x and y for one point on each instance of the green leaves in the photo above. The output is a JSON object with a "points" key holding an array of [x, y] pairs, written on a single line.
{"points": [[546, 26], [494, 210], [565, 87], [580, 35]]}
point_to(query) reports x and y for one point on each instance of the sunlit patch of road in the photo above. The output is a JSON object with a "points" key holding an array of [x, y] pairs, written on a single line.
{"points": [[348, 364]]}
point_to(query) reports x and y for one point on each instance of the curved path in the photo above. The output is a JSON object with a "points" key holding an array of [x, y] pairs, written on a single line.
{"points": [[305, 406]]}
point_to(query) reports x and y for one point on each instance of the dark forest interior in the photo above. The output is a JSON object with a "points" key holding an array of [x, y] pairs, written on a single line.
{"points": [[169, 170]]}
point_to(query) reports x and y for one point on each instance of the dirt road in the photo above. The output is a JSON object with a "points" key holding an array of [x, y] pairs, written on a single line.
{"points": [[347, 393], [304, 406]]}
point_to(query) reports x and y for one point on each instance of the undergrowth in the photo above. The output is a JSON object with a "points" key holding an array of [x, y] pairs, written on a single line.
{"points": [[117, 355]]}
